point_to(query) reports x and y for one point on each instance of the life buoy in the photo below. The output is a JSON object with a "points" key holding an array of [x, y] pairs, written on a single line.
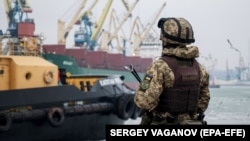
{"points": [[49, 76], [31, 44], [55, 116], [5, 122], [125, 106]]}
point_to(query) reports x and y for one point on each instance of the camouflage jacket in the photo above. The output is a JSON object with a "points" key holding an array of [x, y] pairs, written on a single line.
{"points": [[159, 76]]}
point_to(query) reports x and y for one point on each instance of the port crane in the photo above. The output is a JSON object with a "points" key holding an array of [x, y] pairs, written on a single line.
{"points": [[108, 36], [137, 28], [20, 31], [139, 38], [63, 29], [83, 34], [16, 10], [211, 62], [125, 3], [88, 33], [241, 69], [114, 19], [227, 71], [113, 22]]}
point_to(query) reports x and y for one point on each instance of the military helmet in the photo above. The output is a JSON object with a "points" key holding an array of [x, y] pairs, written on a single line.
{"points": [[176, 31]]}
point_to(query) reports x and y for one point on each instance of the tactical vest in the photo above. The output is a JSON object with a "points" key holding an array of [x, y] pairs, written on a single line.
{"points": [[183, 96]]}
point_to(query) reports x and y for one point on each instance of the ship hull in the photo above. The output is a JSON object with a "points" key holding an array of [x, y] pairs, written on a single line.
{"points": [[77, 128], [82, 61], [53, 116], [69, 63]]}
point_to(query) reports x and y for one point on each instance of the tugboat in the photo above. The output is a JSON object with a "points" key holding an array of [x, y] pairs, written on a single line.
{"points": [[40, 100]]}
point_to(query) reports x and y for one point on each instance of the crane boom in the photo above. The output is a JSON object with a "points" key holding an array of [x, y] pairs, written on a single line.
{"points": [[21, 39], [108, 37], [62, 31], [139, 39], [101, 20], [124, 19], [82, 36], [125, 3], [24, 5], [137, 23], [15, 9], [7, 5], [241, 61], [89, 11], [88, 33]]}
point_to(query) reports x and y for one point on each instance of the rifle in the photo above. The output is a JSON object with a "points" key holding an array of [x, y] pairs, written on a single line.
{"points": [[133, 71], [146, 120]]}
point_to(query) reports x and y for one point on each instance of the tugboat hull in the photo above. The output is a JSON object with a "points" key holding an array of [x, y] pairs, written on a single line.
{"points": [[41, 101], [77, 128]]}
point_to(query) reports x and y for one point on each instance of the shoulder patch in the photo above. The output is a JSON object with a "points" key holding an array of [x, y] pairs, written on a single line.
{"points": [[146, 82], [148, 77]]}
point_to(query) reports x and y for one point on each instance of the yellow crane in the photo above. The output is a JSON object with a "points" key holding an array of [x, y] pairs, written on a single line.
{"points": [[88, 34], [82, 36], [101, 20], [125, 3], [108, 36], [138, 39], [15, 10], [63, 30], [114, 22], [137, 27], [10, 11], [20, 33]]}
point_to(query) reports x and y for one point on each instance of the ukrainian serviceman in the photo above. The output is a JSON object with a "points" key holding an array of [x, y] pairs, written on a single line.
{"points": [[175, 87]]}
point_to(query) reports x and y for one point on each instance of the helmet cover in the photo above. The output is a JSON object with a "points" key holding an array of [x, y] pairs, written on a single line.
{"points": [[176, 31]]}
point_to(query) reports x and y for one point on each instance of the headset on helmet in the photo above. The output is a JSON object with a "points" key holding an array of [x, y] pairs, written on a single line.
{"points": [[176, 31]]}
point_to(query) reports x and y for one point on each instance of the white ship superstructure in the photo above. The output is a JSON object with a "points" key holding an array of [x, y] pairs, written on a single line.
{"points": [[151, 49]]}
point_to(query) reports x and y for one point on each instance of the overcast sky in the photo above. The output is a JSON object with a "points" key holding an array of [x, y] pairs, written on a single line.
{"points": [[213, 21]]}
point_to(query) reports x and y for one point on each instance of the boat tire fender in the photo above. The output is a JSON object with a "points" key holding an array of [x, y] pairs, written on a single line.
{"points": [[48, 76], [125, 106], [55, 116], [5, 122]]}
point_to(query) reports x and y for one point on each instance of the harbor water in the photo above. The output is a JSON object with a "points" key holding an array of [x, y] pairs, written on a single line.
{"points": [[229, 105]]}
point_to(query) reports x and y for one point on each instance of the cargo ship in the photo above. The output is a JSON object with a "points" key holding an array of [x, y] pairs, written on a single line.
{"points": [[42, 100], [95, 49], [96, 62]]}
